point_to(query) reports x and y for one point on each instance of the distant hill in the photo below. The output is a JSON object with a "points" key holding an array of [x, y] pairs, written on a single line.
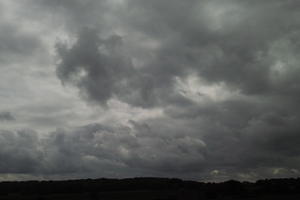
{"points": [[149, 189]]}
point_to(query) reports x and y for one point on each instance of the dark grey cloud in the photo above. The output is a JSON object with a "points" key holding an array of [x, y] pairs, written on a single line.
{"points": [[241, 52], [6, 116], [100, 150], [19, 151], [224, 74], [152, 149], [95, 65]]}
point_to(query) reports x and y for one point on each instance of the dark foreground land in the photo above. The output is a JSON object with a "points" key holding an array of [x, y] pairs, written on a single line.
{"points": [[150, 189]]}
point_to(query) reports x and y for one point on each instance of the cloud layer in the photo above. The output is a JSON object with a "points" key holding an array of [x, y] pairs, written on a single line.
{"points": [[197, 89]]}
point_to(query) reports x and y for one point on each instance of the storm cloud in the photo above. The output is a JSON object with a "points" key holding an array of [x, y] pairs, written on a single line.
{"points": [[205, 90]]}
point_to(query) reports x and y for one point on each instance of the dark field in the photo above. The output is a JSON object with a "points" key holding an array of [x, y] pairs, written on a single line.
{"points": [[150, 189]]}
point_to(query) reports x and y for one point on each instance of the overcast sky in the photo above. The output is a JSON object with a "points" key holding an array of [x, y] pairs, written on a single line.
{"points": [[206, 90]]}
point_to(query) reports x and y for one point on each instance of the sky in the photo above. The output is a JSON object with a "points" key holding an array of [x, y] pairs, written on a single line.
{"points": [[204, 90]]}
